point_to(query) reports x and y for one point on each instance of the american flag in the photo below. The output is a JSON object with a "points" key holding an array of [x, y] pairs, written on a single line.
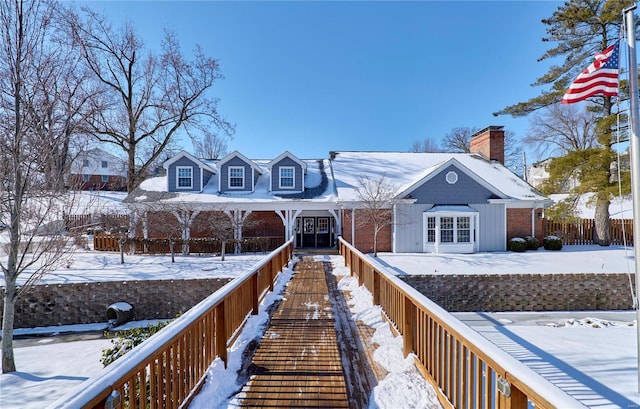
{"points": [[599, 78]]}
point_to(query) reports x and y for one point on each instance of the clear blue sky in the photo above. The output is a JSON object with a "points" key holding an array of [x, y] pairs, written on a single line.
{"points": [[311, 77]]}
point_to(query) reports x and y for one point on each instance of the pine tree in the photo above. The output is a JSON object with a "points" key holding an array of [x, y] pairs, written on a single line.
{"points": [[579, 29]]}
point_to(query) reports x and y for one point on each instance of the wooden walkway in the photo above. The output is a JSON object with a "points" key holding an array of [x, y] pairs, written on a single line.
{"points": [[299, 361]]}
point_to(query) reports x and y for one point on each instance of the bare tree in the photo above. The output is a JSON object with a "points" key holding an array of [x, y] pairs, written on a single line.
{"points": [[150, 97], [561, 128], [377, 196], [30, 59], [209, 145], [459, 140], [425, 145]]}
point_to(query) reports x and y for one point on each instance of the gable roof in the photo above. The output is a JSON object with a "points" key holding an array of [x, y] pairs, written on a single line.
{"points": [[183, 154], [408, 170], [287, 154], [236, 154]]}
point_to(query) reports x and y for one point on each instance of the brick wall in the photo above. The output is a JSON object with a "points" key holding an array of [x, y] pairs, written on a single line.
{"points": [[526, 292], [519, 223], [364, 234], [84, 303]]}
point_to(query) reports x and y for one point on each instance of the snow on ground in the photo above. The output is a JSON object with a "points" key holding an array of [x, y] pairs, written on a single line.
{"points": [[601, 359], [620, 207], [95, 266], [571, 259]]}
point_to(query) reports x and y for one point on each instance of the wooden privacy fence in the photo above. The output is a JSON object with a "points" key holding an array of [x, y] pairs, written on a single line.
{"points": [[110, 242], [467, 370], [107, 221], [167, 370], [581, 231]]}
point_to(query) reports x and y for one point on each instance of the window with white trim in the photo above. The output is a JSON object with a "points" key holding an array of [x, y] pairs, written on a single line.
{"points": [[236, 177], [105, 178], [450, 230], [287, 177], [184, 177], [85, 177], [105, 164]]}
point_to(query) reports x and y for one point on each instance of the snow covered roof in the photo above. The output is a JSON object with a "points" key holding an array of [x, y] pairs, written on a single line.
{"points": [[336, 179], [407, 170], [319, 188]]}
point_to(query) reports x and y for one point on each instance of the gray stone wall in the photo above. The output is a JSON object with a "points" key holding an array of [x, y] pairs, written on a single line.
{"points": [[84, 303], [526, 292]]}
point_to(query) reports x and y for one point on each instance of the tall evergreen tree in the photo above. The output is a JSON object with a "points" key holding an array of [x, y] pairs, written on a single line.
{"points": [[579, 29]]}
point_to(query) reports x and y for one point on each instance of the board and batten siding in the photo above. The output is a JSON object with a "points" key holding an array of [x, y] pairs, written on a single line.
{"points": [[224, 175], [492, 227], [275, 174], [408, 228], [173, 181], [465, 191], [408, 231]]}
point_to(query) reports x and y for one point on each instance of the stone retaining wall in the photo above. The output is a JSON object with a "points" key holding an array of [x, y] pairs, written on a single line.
{"points": [[84, 303], [526, 292]]}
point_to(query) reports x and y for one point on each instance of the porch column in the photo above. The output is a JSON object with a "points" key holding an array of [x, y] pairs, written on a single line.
{"points": [[288, 218]]}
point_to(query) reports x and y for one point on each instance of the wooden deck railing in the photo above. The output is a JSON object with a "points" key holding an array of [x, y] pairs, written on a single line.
{"points": [[466, 369], [166, 370]]}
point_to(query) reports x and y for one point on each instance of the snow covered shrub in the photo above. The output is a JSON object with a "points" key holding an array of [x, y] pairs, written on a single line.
{"points": [[518, 244], [127, 339], [552, 243], [532, 243]]}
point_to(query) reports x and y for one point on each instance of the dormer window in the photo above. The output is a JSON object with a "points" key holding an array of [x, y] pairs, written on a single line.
{"points": [[236, 177], [287, 177], [184, 176]]}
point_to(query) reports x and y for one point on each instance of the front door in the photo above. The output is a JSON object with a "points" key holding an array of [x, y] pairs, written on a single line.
{"points": [[323, 232], [308, 232]]}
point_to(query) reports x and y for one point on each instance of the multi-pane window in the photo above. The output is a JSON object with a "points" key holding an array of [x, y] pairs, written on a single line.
{"points": [[105, 178], [449, 229], [184, 177], [287, 177], [236, 177], [323, 225], [446, 230], [464, 229], [431, 229], [105, 164]]}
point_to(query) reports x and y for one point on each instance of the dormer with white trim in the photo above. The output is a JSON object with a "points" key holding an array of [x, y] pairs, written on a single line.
{"points": [[287, 173], [237, 173], [186, 173]]}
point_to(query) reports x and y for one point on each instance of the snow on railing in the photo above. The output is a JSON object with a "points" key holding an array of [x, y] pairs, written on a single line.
{"points": [[466, 369], [167, 369]]}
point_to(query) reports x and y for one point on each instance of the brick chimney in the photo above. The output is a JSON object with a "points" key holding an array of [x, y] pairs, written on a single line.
{"points": [[489, 142]]}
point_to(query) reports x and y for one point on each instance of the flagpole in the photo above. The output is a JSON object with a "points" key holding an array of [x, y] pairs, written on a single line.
{"points": [[634, 138]]}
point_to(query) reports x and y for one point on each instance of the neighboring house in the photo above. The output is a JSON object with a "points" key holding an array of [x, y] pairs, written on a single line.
{"points": [[442, 202], [96, 169], [537, 175]]}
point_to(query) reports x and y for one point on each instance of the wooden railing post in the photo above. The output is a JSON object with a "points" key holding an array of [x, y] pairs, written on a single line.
{"points": [[516, 399], [221, 334], [407, 331], [254, 293], [376, 287]]}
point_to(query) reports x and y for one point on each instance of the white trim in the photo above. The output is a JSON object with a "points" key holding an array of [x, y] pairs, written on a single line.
{"points": [[178, 168], [293, 177], [229, 169], [450, 247]]}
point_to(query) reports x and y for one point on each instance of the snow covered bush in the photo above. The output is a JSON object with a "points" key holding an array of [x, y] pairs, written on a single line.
{"points": [[552, 243], [518, 244], [127, 339], [532, 243]]}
